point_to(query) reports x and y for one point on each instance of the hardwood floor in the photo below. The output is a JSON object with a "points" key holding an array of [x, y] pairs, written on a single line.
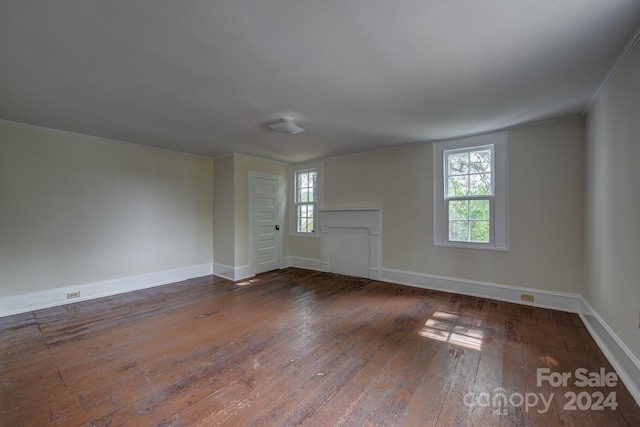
{"points": [[297, 347]]}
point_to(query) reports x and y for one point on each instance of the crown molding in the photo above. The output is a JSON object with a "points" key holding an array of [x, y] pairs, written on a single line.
{"points": [[614, 70]]}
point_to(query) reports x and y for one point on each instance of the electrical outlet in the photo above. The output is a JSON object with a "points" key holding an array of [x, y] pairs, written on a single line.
{"points": [[526, 297], [72, 295]]}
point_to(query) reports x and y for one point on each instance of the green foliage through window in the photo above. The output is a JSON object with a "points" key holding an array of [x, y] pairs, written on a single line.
{"points": [[469, 173]]}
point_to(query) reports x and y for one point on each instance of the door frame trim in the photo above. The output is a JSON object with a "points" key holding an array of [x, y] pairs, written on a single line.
{"points": [[280, 206]]}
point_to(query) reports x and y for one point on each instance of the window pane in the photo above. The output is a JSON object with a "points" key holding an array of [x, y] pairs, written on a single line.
{"points": [[459, 231], [305, 218], [458, 185], [302, 194], [458, 164], [480, 161], [459, 209], [303, 180], [480, 231], [313, 176], [480, 184], [479, 209]]}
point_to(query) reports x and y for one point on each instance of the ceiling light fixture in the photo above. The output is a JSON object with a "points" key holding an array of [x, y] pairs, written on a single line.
{"points": [[286, 125]]}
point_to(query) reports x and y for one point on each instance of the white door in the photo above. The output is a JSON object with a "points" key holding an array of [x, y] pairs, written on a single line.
{"points": [[266, 228]]}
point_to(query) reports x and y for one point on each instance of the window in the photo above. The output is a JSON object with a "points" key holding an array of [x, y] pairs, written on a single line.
{"points": [[469, 193], [470, 197], [305, 200]]}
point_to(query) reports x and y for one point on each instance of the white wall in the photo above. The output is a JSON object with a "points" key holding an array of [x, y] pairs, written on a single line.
{"points": [[224, 211], [612, 225], [77, 209], [305, 247], [546, 194]]}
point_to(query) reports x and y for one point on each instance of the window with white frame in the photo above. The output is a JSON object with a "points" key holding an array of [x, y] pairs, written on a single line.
{"points": [[306, 198], [470, 192]]}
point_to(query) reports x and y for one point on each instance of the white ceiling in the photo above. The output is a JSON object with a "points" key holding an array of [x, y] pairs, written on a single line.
{"points": [[206, 77]]}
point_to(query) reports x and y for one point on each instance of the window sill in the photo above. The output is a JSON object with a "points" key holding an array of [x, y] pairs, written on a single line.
{"points": [[472, 246]]}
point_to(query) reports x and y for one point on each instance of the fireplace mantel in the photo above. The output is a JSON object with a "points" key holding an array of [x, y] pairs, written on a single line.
{"points": [[351, 241]]}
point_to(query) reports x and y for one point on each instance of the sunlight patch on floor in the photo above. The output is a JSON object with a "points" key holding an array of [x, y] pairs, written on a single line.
{"points": [[247, 282], [454, 329]]}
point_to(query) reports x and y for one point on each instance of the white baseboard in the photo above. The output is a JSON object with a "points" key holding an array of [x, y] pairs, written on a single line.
{"points": [[285, 262], [224, 271], [544, 299], [306, 263], [625, 363], [232, 273], [50, 298], [243, 272]]}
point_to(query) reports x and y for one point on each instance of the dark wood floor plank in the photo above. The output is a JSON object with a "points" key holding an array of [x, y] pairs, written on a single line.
{"points": [[540, 412], [291, 347], [428, 399], [489, 373], [548, 327], [513, 371], [560, 361], [572, 339], [396, 397], [390, 360], [468, 332], [580, 360]]}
